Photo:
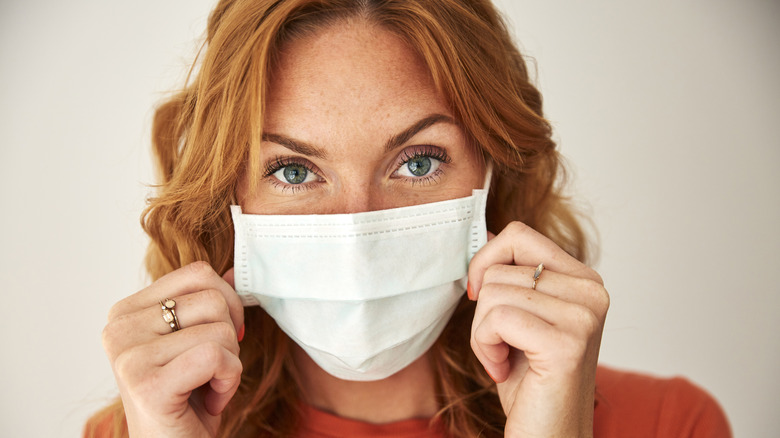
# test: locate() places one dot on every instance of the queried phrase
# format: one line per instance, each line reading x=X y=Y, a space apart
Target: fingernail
x=241 y=332
x=468 y=291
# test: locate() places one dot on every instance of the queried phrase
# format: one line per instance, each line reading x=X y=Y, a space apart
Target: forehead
x=350 y=69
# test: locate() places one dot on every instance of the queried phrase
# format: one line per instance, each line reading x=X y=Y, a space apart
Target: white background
x=668 y=111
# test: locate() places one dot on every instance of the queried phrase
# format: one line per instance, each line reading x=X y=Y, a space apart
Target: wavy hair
x=205 y=136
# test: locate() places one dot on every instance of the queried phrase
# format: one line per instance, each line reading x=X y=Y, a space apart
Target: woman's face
x=354 y=123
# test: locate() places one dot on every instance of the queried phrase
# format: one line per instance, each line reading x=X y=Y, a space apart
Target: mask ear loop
x=488 y=175
x=478 y=237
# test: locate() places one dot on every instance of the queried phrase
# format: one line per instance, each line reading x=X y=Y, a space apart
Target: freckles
x=269 y=204
x=283 y=206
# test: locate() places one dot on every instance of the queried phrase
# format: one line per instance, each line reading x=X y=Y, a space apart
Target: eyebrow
x=393 y=142
x=424 y=123
x=298 y=146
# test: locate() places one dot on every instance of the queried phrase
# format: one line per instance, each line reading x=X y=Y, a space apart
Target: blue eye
x=419 y=166
x=292 y=173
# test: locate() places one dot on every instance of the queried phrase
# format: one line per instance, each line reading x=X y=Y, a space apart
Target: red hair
x=204 y=136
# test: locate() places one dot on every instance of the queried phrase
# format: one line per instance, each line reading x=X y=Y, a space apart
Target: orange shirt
x=319 y=424
x=627 y=405
x=637 y=405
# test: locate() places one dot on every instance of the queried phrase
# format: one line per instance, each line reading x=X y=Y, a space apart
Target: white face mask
x=364 y=294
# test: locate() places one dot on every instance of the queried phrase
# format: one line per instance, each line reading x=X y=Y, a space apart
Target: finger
x=520 y=245
x=202 y=364
x=219 y=394
x=550 y=309
x=494 y=358
x=582 y=291
x=490 y=355
x=168 y=347
x=192 y=310
x=191 y=278
x=202 y=307
x=513 y=327
x=163 y=349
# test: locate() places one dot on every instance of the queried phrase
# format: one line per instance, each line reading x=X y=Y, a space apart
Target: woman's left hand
x=540 y=345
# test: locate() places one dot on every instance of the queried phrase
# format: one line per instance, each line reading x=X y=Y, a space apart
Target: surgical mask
x=363 y=294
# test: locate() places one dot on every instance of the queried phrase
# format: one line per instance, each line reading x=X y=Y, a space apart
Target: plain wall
x=668 y=113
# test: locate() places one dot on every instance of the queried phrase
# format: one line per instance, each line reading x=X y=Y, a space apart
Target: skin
x=345 y=112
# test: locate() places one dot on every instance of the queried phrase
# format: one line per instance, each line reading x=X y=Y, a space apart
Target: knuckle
x=602 y=301
x=589 y=288
x=516 y=228
x=210 y=352
x=597 y=277
x=113 y=311
x=201 y=269
x=474 y=344
x=238 y=365
x=109 y=339
x=234 y=364
x=588 y=321
x=125 y=366
x=114 y=336
x=116 y=310
x=224 y=330
x=592 y=323
x=598 y=298
x=500 y=314
x=212 y=303
x=217 y=301
x=588 y=273
x=493 y=273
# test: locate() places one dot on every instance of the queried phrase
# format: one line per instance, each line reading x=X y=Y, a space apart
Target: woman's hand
x=540 y=346
x=176 y=384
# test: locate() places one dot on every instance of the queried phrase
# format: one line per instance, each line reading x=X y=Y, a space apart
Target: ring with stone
x=537 y=274
x=169 y=314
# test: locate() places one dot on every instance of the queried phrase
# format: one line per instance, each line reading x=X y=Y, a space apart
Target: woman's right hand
x=176 y=384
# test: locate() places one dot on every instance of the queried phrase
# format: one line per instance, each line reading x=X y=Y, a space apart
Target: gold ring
x=537 y=274
x=169 y=314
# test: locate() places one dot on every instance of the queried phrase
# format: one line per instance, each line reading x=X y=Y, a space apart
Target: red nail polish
x=469 y=293
x=241 y=333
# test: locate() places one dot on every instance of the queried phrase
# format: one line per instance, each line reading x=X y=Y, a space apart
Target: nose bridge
x=358 y=196
x=358 y=199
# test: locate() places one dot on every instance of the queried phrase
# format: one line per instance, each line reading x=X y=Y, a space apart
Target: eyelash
x=279 y=163
x=424 y=151
x=429 y=151
x=407 y=155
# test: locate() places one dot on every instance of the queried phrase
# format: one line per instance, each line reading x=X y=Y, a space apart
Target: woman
x=367 y=112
